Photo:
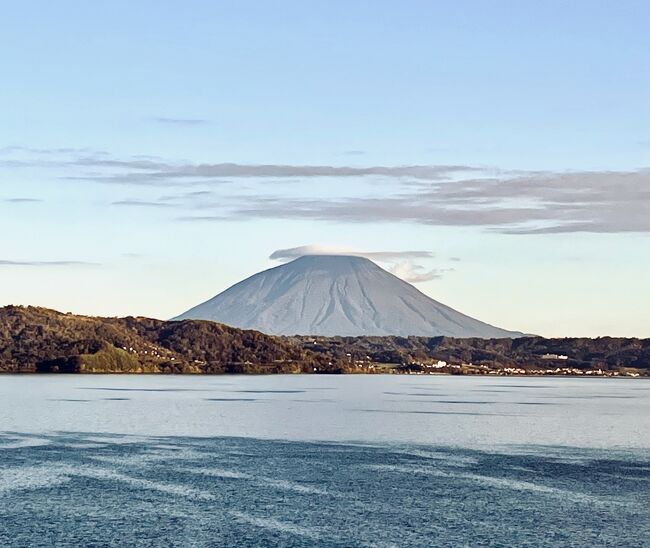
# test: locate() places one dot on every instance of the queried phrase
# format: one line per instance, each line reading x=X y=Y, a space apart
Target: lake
x=324 y=461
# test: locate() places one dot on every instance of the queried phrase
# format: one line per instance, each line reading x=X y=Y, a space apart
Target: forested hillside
x=41 y=340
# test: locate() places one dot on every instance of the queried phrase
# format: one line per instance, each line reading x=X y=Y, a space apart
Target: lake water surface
x=323 y=460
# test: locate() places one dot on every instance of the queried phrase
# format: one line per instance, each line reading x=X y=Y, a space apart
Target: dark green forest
x=34 y=340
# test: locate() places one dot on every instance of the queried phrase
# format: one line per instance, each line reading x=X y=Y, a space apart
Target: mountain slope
x=336 y=295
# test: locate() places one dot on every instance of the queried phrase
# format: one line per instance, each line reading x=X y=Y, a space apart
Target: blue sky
x=508 y=141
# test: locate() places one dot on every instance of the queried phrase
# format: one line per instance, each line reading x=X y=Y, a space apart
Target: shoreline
x=318 y=374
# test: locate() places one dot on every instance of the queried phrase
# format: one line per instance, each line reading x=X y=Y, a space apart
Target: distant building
x=555 y=357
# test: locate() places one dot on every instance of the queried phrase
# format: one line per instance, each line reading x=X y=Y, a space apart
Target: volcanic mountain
x=332 y=295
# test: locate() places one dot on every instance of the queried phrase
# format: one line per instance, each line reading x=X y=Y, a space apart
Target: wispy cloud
x=180 y=121
x=416 y=273
x=102 y=167
x=147 y=171
x=46 y=263
x=22 y=200
x=141 y=203
x=400 y=263
x=19 y=149
x=204 y=218
x=292 y=253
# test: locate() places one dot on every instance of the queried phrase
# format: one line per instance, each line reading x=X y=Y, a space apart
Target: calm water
x=332 y=461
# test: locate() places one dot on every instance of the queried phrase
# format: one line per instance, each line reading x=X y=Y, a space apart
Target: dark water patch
x=116 y=399
x=232 y=399
x=411 y=412
x=418 y=394
x=252 y=492
x=271 y=391
x=115 y=389
x=524 y=386
x=625 y=477
x=588 y=397
x=323 y=400
x=640 y=467
x=531 y=403
x=472 y=402
x=450 y=402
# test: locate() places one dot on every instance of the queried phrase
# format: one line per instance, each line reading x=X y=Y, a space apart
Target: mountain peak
x=332 y=295
x=333 y=263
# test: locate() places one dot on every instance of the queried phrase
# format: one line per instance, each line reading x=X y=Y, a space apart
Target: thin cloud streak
x=296 y=252
x=141 y=203
x=181 y=121
x=152 y=171
x=46 y=263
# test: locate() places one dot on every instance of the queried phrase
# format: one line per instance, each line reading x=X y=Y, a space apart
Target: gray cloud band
x=598 y=202
x=550 y=203
x=452 y=195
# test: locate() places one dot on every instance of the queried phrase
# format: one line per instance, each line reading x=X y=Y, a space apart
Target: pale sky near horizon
x=497 y=153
